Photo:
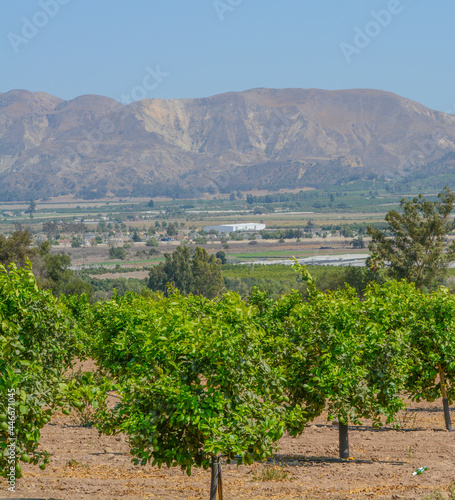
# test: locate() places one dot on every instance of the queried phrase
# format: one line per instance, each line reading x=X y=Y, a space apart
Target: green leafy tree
x=206 y=269
x=200 y=240
x=222 y=256
x=200 y=274
x=192 y=379
x=342 y=354
x=152 y=242
x=38 y=341
x=76 y=242
x=176 y=270
x=17 y=249
x=433 y=337
x=172 y=229
x=31 y=209
x=416 y=249
x=358 y=242
x=117 y=253
x=52 y=271
x=51 y=229
x=56 y=274
x=360 y=277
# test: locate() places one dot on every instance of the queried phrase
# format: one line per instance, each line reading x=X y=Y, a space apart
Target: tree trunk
x=216 y=486
x=445 y=401
x=344 y=440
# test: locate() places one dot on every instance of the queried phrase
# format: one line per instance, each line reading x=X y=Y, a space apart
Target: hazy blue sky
x=129 y=49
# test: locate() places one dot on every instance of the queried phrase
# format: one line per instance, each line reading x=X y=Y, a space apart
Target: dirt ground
x=87 y=466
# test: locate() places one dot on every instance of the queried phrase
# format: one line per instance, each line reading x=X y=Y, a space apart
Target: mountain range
x=93 y=146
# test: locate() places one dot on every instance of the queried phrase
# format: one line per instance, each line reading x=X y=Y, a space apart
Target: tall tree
x=206 y=269
x=416 y=249
x=52 y=271
x=200 y=275
x=31 y=209
x=17 y=248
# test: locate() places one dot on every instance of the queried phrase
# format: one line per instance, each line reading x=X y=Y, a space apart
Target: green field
x=283 y=254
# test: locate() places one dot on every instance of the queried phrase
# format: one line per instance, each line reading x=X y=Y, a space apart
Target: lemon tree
x=347 y=355
x=193 y=381
x=37 y=344
x=432 y=373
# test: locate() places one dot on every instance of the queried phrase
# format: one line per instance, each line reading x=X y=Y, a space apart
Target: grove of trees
x=203 y=375
x=200 y=379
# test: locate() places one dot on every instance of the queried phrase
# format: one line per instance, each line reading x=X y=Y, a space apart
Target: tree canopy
x=38 y=343
x=52 y=271
x=199 y=274
x=192 y=377
x=416 y=249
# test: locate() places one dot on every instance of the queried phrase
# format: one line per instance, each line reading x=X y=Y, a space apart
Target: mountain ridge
x=259 y=138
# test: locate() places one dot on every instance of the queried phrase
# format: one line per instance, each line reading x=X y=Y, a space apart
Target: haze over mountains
x=261 y=138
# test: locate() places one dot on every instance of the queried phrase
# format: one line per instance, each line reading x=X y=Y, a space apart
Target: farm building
x=230 y=228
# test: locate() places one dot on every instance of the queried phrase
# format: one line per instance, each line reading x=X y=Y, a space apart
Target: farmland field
x=86 y=466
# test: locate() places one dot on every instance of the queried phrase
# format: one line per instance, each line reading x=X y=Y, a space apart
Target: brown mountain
x=260 y=138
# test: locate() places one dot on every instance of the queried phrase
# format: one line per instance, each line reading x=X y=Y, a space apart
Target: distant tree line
x=282 y=197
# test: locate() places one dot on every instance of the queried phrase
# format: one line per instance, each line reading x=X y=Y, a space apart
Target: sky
x=134 y=49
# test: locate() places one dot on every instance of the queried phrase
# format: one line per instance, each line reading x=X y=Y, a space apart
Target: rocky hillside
x=260 y=138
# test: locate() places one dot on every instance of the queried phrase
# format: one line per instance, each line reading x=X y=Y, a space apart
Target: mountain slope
x=260 y=138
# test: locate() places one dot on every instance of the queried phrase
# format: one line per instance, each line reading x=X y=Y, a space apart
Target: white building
x=230 y=228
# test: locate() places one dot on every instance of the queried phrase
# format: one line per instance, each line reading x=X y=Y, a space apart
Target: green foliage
x=37 y=345
x=432 y=341
x=88 y=391
x=340 y=353
x=76 y=242
x=17 y=249
x=200 y=240
x=152 y=242
x=358 y=242
x=221 y=256
x=172 y=229
x=417 y=250
x=200 y=274
x=278 y=234
x=31 y=209
x=52 y=271
x=104 y=288
x=279 y=279
x=192 y=379
x=117 y=253
x=57 y=276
